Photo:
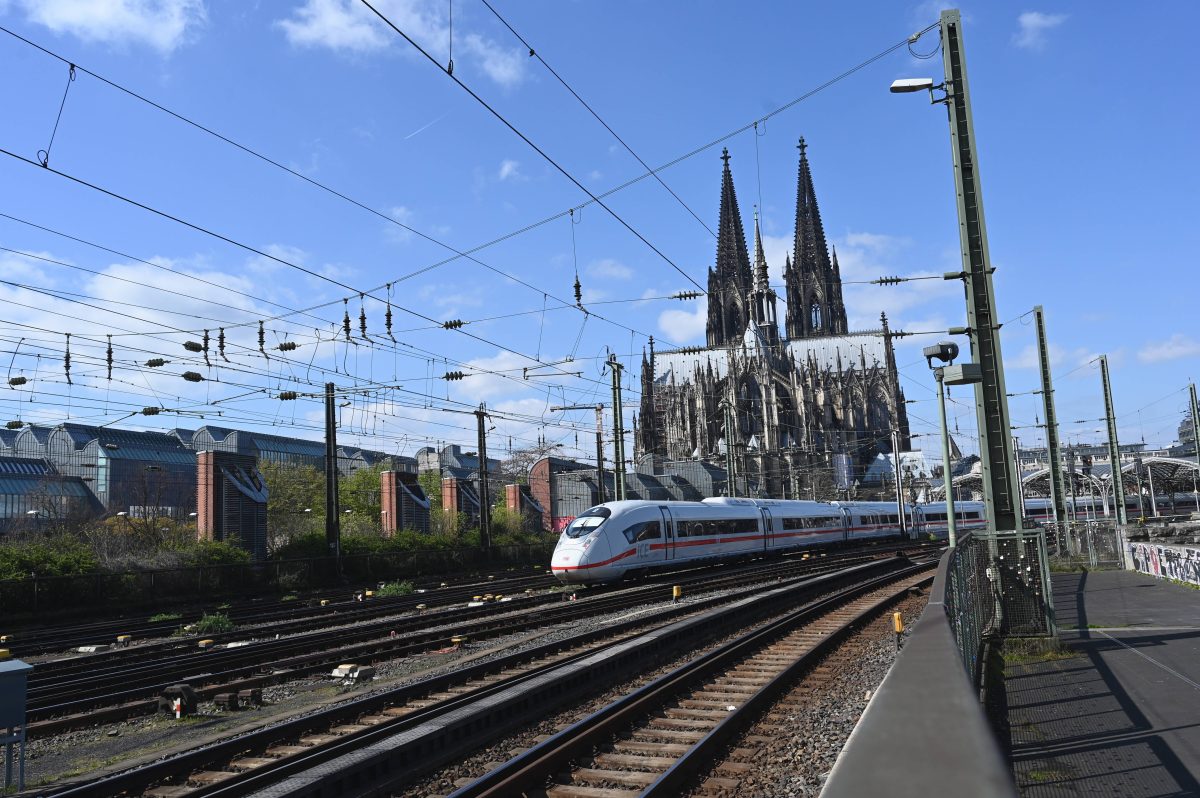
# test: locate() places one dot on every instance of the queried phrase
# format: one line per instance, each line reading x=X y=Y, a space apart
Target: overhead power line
x=536 y=148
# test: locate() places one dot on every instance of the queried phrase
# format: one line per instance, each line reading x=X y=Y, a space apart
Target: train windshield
x=587 y=522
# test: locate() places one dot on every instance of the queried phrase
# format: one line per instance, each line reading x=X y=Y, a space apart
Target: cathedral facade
x=798 y=412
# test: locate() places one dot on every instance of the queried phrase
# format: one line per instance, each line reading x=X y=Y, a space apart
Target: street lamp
x=949 y=374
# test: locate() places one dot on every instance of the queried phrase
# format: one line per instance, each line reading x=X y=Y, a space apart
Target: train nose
x=576 y=560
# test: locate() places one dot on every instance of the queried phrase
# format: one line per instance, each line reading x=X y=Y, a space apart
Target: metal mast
x=1114 y=447
x=1057 y=492
x=991 y=403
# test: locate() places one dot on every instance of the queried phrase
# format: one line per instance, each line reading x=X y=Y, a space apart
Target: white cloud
x=609 y=269
x=1032 y=28
x=349 y=26
x=510 y=170
x=684 y=326
x=162 y=24
x=1175 y=347
x=403 y=215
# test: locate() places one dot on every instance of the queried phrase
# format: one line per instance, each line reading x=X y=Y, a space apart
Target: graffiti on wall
x=1172 y=562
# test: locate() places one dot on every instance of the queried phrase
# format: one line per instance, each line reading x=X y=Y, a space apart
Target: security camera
x=944 y=351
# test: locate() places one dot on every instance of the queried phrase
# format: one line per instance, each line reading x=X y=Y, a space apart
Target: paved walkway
x=1119 y=716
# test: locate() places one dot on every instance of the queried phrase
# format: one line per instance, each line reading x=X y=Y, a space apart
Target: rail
x=924 y=731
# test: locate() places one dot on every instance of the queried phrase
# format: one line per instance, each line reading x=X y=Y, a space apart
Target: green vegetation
x=59 y=556
x=289 y=597
x=213 y=623
x=391 y=589
x=162 y=617
x=1029 y=650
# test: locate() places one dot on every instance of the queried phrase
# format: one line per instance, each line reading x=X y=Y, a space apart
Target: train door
x=767 y=521
x=668 y=533
x=847 y=519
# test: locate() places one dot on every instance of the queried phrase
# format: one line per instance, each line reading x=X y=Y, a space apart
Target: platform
x=1119 y=713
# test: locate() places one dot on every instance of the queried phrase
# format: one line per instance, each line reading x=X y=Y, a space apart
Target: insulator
x=388 y=316
x=288 y=396
x=15 y=424
x=155 y=362
x=17 y=381
x=346 y=318
x=67 y=361
x=262 y=339
x=150 y=411
x=362 y=319
x=453 y=324
x=108 y=354
x=682 y=295
x=192 y=376
x=221 y=344
x=206 y=349
x=287 y=346
x=453 y=375
x=193 y=346
x=578 y=291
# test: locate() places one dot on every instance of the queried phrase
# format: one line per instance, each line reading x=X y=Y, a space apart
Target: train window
x=646 y=530
x=746 y=526
x=696 y=529
x=587 y=522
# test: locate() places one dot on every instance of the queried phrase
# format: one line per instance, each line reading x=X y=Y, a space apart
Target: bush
x=164 y=616
x=392 y=589
x=211 y=552
x=59 y=557
x=212 y=623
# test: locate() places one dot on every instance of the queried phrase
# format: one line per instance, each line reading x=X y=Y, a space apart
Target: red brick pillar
x=512 y=497
x=206 y=487
x=389 y=510
x=450 y=496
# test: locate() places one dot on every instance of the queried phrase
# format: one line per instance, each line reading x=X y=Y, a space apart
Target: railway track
x=656 y=740
x=337 y=607
x=83 y=691
x=435 y=718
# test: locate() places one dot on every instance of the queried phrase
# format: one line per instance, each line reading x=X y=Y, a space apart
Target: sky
x=286 y=162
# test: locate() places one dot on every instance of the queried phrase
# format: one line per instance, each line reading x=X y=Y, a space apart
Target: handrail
x=924 y=731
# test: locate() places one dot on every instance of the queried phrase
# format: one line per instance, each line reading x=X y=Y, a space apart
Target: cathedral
x=795 y=414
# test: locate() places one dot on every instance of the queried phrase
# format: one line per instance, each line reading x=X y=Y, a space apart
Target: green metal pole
x=1054 y=457
x=947 y=477
x=1195 y=423
x=1114 y=447
x=991 y=402
x=618 y=430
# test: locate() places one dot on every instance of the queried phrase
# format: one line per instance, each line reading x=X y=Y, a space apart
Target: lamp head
x=909 y=85
x=944 y=351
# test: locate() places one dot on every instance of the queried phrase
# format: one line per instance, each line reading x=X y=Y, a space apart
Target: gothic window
x=816 y=316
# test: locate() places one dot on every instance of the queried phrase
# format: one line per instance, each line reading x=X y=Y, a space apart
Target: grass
x=1042 y=776
x=392 y=589
x=289 y=597
x=165 y=616
x=1028 y=650
x=1181 y=583
x=214 y=622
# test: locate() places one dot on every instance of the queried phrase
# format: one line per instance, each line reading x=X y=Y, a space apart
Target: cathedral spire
x=730 y=282
x=814 y=286
x=761 y=279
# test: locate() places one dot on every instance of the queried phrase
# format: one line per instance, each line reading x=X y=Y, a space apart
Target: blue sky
x=1085 y=117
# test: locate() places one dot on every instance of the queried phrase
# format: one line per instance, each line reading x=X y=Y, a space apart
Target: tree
x=359 y=493
x=293 y=489
x=516 y=467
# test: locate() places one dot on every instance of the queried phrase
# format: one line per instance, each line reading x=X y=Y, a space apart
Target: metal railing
x=1089 y=544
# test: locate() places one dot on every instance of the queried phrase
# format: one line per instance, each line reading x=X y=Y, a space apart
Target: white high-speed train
x=611 y=541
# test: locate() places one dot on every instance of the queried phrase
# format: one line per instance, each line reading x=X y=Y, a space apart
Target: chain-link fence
x=998 y=584
x=1088 y=544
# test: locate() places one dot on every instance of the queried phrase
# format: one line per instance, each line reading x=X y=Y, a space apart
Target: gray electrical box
x=962 y=374
x=14 y=679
